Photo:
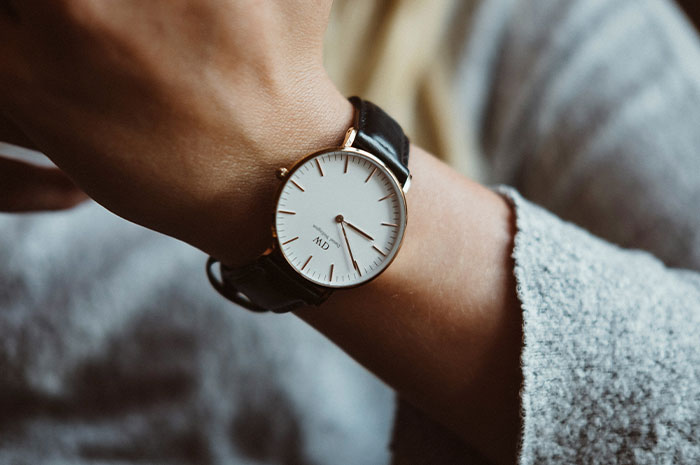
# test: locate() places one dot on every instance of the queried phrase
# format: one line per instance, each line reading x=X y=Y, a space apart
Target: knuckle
x=78 y=12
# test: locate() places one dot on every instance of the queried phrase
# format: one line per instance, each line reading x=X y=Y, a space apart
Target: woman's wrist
x=442 y=324
x=174 y=121
x=301 y=122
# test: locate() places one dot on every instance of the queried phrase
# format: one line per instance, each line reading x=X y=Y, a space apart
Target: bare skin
x=28 y=188
x=442 y=325
x=181 y=128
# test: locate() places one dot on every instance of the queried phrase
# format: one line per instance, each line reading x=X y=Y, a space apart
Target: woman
x=169 y=104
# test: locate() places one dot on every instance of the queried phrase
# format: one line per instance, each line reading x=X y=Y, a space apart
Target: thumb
x=26 y=188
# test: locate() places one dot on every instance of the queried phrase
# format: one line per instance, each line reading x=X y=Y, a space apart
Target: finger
x=28 y=188
x=52 y=12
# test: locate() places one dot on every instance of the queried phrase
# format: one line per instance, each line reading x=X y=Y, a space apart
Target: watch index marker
x=286 y=212
x=307 y=262
x=331 y=276
x=297 y=184
x=370 y=175
x=320 y=170
x=347 y=160
x=290 y=240
x=378 y=250
x=387 y=196
x=390 y=224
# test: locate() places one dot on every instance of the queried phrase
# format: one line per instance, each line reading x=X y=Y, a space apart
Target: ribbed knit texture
x=591 y=108
x=113 y=348
x=611 y=356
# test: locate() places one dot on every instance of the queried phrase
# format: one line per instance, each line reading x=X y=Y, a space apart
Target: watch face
x=340 y=218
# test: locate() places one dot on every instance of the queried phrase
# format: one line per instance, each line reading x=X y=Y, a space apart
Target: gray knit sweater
x=591 y=108
x=114 y=350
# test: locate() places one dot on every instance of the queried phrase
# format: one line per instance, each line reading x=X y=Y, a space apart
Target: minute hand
x=347 y=242
x=367 y=236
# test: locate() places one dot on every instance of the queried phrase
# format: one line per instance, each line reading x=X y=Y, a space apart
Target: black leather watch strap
x=269 y=283
x=380 y=135
x=266 y=285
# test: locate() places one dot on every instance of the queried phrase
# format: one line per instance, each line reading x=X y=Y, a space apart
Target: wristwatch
x=339 y=220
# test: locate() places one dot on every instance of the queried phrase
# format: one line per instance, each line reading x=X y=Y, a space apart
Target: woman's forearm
x=180 y=128
x=442 y=325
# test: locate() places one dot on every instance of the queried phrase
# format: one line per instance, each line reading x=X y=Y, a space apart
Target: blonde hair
x=396 y=53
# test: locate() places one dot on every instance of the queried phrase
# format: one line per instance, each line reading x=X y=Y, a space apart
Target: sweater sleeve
x=593 y=114
x=590 y=108
x=611 y=359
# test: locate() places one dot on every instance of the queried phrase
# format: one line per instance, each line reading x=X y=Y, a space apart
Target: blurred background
x=402 y=54
x=114 y=348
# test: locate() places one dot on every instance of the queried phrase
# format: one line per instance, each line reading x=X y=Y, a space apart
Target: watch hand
x=339 y=219
x=367 y=236
x=345 y=235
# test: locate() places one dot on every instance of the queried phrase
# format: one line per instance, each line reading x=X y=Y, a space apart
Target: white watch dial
x=340 y=218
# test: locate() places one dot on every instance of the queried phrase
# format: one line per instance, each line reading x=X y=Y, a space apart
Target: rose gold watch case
x=284 y=174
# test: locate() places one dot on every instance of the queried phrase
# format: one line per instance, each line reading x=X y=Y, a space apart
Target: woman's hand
x=28 y=188
x=174 y=113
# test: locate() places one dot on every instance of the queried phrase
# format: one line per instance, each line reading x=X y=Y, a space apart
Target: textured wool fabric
x=591 y=108
x=114 y=349
x=611 y=357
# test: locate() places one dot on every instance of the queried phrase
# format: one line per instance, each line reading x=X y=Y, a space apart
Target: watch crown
x=282 y=173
